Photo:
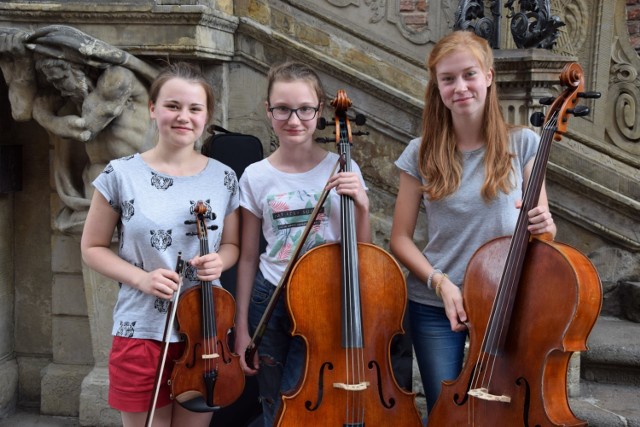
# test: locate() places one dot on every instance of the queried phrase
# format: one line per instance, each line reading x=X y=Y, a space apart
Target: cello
x=208 y=375
x=531 y=303
x=348 y=379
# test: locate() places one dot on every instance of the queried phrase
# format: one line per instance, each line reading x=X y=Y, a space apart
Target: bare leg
x=183 y=417
x=161 y=418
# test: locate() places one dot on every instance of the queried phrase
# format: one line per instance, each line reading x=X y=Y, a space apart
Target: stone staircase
x=610 y=369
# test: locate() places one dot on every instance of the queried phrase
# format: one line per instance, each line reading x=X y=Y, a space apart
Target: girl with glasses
x=277 y=195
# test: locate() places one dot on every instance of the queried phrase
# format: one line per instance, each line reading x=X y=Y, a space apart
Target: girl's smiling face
x=293 y=94
x=180 y=112
x=463 y=83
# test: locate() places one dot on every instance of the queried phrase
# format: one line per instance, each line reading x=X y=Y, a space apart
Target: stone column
x=72 y=358
x=8 y=364
x=100 y=294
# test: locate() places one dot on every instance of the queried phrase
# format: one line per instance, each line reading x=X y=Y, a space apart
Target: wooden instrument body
x=557 y=303
x=187 y=382
x=313 y=296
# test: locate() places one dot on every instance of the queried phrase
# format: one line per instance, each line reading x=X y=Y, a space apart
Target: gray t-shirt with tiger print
x=153 y=208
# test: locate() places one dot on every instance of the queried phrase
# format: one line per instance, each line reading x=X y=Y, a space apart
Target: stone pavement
x=32 y=419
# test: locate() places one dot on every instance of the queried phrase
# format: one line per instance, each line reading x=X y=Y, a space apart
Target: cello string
x=492 y=337
x=511 y=277
x=529 y=202
x=347 y=326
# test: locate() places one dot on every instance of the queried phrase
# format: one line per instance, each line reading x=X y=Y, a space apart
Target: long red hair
x=440 y=162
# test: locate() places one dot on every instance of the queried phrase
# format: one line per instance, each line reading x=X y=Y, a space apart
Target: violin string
x=208 y=312
x=205 y=300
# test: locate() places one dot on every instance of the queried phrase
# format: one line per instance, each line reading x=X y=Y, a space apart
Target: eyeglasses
x=284 y=113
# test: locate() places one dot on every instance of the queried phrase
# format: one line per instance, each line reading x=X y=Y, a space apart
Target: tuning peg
x=213 y=227
x=590 y=95
x=359 y=133
x=547 y=100
x=323 y=140
x=190 y=221
x=360 y=119
x=537 y=119
x=192 y=233
x=579 y=111
x=322 y=123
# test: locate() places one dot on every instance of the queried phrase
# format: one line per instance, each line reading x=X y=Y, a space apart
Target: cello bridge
x=210 y=356
x=483 y=393
x=352 y=387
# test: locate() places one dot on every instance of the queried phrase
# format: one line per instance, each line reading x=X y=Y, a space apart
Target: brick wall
x=414 y=13
x=633 y=23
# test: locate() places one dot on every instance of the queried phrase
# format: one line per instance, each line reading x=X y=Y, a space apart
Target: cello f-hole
x=308 y=404
x=374 y=365
x=522 y=381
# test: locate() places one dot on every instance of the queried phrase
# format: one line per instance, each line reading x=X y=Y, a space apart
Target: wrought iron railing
x=532 y=25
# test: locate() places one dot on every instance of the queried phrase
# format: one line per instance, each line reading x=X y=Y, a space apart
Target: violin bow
x=252 y=347
x=166 y=338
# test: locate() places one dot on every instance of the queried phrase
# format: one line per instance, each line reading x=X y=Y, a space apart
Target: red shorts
x=133 y=364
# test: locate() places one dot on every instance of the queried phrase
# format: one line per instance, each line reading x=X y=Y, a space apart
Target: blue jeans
x=439 y=350
x=281 y=355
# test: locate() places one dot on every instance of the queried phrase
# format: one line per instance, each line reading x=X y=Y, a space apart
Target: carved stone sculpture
x=81 y=91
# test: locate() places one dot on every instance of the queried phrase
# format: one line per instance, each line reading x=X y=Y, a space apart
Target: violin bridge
x=352 y=387
x=210 y=356
x=483 y=393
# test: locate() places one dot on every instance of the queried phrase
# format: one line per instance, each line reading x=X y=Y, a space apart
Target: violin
x=208 y=376
x=348 y=379
x=531 y=302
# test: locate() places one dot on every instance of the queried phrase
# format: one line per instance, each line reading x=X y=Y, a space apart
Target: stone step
x=607 y=405
x=614 y=353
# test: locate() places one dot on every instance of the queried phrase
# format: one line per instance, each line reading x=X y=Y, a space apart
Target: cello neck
x=350 y=297
x=506 y=293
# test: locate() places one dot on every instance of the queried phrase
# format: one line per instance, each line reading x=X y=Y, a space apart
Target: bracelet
x=444 y=276
x=429 y=280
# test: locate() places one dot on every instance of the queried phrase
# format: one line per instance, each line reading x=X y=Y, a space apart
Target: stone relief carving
x=624 y=95
x=437 y=15
x=344 y=3
x=623 y=109
x=378 y=8
x=573 y=36
x=84 y=93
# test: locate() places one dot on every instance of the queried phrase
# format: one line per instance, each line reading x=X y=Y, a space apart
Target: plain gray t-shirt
x=461 y=222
